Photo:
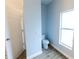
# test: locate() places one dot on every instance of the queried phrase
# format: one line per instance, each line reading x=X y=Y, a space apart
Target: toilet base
x=45 y=44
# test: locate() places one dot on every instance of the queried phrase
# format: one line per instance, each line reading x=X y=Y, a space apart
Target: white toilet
x=45 y=42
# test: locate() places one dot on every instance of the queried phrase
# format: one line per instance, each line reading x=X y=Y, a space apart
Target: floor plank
x=50 y=53
x=23 y=55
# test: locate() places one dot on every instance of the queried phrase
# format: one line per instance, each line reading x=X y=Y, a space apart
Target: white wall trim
x=61 y=51
x=34 y=55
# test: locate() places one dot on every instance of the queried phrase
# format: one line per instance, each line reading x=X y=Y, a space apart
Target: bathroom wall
x=33 y=27
x=14 y=14
x=76 y=33
x=54 y=10
x=44 y=18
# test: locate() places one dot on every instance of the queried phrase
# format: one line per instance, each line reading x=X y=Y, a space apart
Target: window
x=66 y=29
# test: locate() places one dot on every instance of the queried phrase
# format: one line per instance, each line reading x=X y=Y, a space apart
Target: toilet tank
x=43 y=36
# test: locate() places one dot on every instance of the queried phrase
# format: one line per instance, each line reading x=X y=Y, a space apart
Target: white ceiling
x=46 y=1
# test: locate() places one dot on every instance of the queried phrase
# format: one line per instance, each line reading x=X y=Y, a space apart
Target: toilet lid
x=45 y=41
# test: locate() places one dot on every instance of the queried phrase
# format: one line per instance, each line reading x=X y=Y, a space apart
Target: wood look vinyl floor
x=50 y=53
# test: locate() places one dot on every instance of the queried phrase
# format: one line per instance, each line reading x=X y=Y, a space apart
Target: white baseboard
x=34 y=55
x=61 y=51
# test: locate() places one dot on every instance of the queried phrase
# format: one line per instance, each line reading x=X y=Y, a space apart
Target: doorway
x=14 y=15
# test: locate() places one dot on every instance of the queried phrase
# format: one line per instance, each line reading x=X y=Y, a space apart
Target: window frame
x=60 y=31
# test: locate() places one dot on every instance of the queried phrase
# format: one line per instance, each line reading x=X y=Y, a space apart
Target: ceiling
x=46 y=1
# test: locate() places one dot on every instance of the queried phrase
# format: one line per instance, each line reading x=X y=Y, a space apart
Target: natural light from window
x=67 y=29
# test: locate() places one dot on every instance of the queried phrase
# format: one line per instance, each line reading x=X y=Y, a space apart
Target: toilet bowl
x=45 y=42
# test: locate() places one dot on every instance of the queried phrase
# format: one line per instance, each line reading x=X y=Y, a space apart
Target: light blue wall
x=44 y=18
x=32 y=26
x=53 y=22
